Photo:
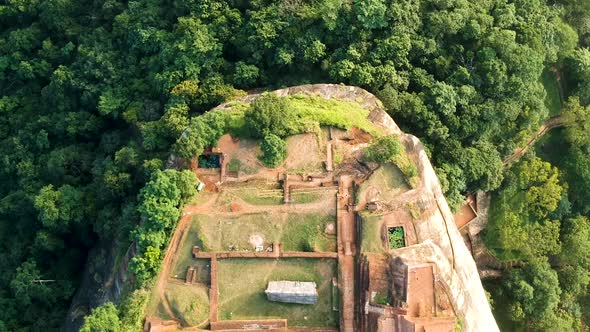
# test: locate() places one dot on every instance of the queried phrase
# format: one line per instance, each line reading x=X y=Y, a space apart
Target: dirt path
x=551 y=123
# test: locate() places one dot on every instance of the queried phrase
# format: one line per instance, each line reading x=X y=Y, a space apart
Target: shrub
x=270 y=114
x=396 y=238
x=274 y=150
x=384 y=149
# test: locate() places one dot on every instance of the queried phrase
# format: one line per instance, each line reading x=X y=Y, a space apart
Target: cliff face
x=438 y=239
x=440 y=243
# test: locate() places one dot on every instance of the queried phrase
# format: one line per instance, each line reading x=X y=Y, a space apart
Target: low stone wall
x=250 y=325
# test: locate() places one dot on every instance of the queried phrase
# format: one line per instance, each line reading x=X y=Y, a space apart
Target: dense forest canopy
x=96 y=93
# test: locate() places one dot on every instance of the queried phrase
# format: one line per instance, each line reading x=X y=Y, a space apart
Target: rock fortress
x=331 y=239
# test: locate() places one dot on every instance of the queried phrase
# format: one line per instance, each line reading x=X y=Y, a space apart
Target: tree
x=274 y=150
x=270 y=114
x=578 y=70
x=102 y=319
x=482 y=166
x=577 y=121
x=384 y=149
x=246 y=75
x=540 y=182
x=534 y=291
x=577 y=169
x=519 y=224
x=371 y=13
x=193 y=141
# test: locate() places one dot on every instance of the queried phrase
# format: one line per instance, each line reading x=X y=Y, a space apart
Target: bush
x=270 y=114
x=102 y=319
x=396 y=238
x=384 y=149
x=274 y=150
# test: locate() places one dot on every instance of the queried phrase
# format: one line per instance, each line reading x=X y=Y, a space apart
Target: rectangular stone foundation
x=292 y=292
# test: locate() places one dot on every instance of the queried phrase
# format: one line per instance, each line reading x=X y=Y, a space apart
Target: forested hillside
x=96 y=93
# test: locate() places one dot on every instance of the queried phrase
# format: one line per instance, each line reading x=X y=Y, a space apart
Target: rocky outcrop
x=439 y=240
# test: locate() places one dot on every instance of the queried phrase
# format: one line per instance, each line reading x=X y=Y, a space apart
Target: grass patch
x=304 y=197
x=256 y=196
x=185 y=256
x=371 y=233
x=234 y=165
x=337 y=155
x=242 y=283
x=388 y=179
x=333 y=112
x=311 y=112
x=552 y=100
x=307 y=234
x=381 y=298
x=201 y=198
x=295 y=231
x=189 y=303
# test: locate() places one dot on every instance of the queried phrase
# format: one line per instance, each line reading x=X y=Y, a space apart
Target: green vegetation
x=381 y=298
x=97 y=94
x=371 y=233
x=270 y=114
x=308 y=234
x=553 y=99
x=267 y=197
x=296 y=232
x=384 y=149
x=304 y=197
x=160 y=203
x=389 y=149
x=522 y=222
x=388 y=179
x=316 y=111
x=396 y=238
x=189 y=303
x=539 y=216
x=242 y=283
x=234 y=165
x=274 y=150
x=102 y=319
x=255 y=193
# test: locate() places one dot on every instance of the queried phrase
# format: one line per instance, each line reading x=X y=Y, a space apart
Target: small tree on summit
x=269 y=114
x=274 y=150
x=384 y=149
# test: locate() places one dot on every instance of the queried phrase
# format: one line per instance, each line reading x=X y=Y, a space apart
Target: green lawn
x=189 y=303
x=185 y=257
x=371 y=233
x=255 y=193
x=304 y=197
x=242 y=283
x=258 y=196
x=552 y=100
x=296 y=232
